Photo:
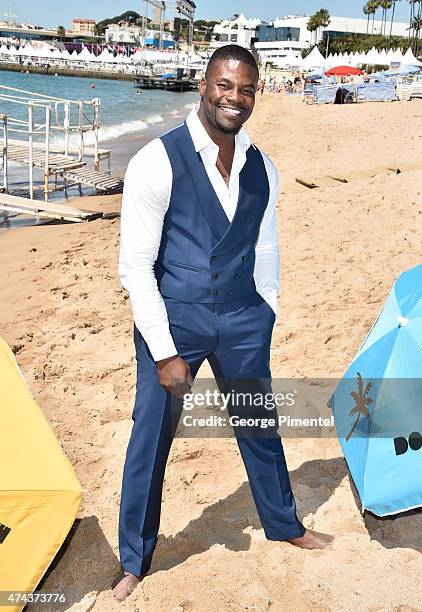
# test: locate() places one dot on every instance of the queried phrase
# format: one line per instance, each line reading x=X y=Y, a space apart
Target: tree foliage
x=130 y=16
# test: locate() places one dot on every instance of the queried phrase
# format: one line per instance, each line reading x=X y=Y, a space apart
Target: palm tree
x=373 y=7
x=411 y=19
x=313 y=25
x=61 y=32
x=362 y=401
x=385 y=5
x=392 y=16
x=367 y=11
x=324 y=21
x=415 y=25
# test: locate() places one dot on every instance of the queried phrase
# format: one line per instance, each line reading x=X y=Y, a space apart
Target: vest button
x=236 y=276
x=215 y=275
x=215 y=292
x=213 y=258
x=244 y=257
x=229 y=292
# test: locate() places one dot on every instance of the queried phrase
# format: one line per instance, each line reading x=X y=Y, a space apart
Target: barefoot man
x=199 y=258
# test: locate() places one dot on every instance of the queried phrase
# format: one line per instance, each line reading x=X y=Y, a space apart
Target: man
x=199 y=257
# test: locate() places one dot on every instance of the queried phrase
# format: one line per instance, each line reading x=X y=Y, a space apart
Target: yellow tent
x=39 y=491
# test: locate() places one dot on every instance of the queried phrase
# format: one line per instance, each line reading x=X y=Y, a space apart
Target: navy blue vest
x=202 y=256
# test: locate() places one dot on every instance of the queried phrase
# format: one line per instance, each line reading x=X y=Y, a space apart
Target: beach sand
x=342 y=245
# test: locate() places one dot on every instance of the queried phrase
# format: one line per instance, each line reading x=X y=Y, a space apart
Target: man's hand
x=174 y=374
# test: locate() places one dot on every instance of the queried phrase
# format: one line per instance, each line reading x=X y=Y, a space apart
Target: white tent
x=314 y=60
x=290 y=60
x=86 y=55
x=372 y=57
x=410 y=60
x=383 y=57
x=105 y=56
x=331 y=61
x=56 y=53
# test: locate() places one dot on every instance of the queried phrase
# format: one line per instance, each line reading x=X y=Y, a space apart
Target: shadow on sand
x=87 y=563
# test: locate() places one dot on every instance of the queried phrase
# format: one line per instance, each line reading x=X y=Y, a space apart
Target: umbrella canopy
x=39 y=491
x=343 y=71
x=377 y=405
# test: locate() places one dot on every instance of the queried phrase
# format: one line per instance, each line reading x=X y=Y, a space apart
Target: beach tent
x=410 y=60
x=39 y=492
x=377 y=405
x=291 y=60
x=86 y=55
x=372 y=57
x=314 y=60
x=104 y=56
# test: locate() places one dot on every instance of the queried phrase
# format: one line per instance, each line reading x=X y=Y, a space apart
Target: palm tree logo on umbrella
x=362 y=402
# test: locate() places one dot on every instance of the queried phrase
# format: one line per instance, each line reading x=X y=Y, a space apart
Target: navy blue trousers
x=235 y=338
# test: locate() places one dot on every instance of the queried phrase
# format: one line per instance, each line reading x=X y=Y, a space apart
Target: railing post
x=30 y=148
x=66 y=125
x=47 y=151
x=5 y=150
x=96 y=103
x=81 y=131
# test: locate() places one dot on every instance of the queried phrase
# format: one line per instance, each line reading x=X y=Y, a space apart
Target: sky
x=56 y=12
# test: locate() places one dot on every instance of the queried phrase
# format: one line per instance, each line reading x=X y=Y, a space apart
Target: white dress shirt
x=146 y=197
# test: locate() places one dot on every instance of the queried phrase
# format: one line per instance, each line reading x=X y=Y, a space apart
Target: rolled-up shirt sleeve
x=146 y=197
x=267 y=253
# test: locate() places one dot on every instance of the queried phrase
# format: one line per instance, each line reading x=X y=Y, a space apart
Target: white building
x=239 y=31
x=123 y=34
x=291 y=35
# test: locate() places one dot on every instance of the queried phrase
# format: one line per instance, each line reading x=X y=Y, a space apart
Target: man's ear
x=202 y=86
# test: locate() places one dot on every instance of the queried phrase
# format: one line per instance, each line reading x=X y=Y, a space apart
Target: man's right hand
x=174 y=374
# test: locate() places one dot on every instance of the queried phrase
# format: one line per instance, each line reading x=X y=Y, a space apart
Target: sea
x=128 y=119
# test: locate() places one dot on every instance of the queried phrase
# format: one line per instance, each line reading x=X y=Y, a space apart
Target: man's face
x=228 y=94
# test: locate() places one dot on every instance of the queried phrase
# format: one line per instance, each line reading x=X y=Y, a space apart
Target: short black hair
x=232 y=52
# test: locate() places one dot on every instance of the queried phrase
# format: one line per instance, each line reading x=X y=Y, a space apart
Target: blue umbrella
x=377 y=405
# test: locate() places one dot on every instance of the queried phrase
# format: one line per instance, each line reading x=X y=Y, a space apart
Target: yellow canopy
x=39 y=491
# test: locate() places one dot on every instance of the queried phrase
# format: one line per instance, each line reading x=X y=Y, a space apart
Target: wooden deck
x=10 y=203
x=88 y=151
x=73 y=171
x=92 y=178
x=57 y=161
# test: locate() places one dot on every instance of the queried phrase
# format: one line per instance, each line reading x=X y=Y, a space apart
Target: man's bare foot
x=125 y=584
x=312 y=540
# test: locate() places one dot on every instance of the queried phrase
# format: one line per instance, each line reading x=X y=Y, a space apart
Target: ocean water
x=128 y=121
x=123 y=110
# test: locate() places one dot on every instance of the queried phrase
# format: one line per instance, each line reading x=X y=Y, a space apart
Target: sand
x=342 y=246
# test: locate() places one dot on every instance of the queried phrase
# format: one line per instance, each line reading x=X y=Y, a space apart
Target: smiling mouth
x=230 y=111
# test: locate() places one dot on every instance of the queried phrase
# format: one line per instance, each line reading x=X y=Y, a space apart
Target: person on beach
x=200 y=260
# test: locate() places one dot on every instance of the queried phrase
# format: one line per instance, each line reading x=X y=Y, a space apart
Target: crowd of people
x=294 y=84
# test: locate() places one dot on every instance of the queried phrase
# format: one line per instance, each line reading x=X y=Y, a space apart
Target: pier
x=169 y=84
x=64 y=163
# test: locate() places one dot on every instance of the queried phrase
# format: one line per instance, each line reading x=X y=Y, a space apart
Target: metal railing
x=42 y=116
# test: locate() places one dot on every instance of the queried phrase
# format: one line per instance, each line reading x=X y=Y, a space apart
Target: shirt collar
x=201 y=138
